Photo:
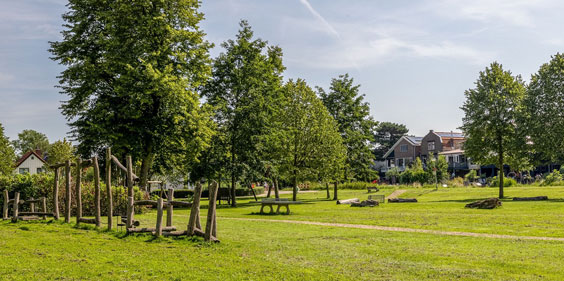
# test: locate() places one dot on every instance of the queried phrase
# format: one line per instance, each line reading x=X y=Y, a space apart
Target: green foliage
x=31 y=140
x=131 y=77
x=456 y=182
x=471 y=176
x=393 y=172
x=491 y=112
x=543 y=107
x=304 y=141
x=439 y=164
x=119 y=197
x=507 y=182
x=386 y=135
x=414 y=174
x=246 y=80
x=552 y=179
x=7 y=154
x=60 y=151
x=355 y=125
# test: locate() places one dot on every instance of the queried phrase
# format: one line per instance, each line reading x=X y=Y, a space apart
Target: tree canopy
x=31 y=140
x=356 y=126
x=491 y=110
x=385 y=136
x=245 y=84
x=132 y=70
x=305 y=141
x=7 y=154
x=60 y=151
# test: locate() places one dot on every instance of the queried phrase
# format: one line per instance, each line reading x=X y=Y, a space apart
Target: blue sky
x=414 y=59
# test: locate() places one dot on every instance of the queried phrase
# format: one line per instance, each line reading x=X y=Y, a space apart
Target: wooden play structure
x=194 y=227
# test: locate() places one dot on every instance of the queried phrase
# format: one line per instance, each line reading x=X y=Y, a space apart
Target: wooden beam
x=44 y=203
x=195 y=209
x=78 y=190
x=68 y=191
x=129 y=175
x=130 y=210
x=87 y=220
x=35 y=214
x=212 y=188
x=109 y=186
x=56 y=195
x=123 y=168
x=150 y=229
x=16 y=199
x=97 y=190
x=159 y=226
x=169 y=207
x=5 y=205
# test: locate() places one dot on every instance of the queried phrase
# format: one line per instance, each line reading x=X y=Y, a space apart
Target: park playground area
x=433 y=239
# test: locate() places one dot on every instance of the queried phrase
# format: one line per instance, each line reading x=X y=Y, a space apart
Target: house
x=403 y=152
x=31 y=162
x=450 y=145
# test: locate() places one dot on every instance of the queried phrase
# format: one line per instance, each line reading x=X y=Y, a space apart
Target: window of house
x=403 y=148
x=400 y=162
x=431 y=145
x=24 y=170
x=462 y=159
x=39 y=170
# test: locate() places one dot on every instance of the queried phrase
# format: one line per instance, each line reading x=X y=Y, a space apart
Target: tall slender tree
x=132 y=70
x=491 y=110
x=7 y=154
x=356 y=125
x=246 y=79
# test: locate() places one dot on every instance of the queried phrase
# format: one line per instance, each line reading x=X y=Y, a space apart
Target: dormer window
x=431 y=146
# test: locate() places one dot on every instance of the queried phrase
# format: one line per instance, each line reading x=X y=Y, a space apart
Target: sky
x=413 y=59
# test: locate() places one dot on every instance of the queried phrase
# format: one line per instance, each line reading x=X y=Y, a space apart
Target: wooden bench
x=370 y=188
x=278 y=202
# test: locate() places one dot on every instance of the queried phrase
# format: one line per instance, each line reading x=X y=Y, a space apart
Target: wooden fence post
x=159 y=228
x=109 y=186
x=130 y=210
x=129 y=175
x=44 y=201
x=56 y=195
x=68 y=191
x=211 y=211
x=6 y=204
x=97 y=189
x=78 y=190
x=16 y=206
x=169 y=207
x=192 y=223
x=32 y=205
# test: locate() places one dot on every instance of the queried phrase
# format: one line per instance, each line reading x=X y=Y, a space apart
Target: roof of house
x=415 y=141
x=450 y=135
x=37 y=154
x=454 y=151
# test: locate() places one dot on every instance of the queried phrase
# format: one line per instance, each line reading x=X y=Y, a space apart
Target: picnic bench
x=371 y=188
x=279 y=203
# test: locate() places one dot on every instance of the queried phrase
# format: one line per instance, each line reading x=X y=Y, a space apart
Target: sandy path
x=396 y=193
x=402 y=229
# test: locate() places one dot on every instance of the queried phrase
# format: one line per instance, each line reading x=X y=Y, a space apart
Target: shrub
x=456 y=182
x=471 y=176
x=553 y=178
x=507 y=182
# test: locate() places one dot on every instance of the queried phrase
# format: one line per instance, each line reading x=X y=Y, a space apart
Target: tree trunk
x=233 y=187
x=295 y=187
x=145 y=166
x=500 y=167
x=335 y=197
x=328 y=193
x=268 y=191
x=276 y=190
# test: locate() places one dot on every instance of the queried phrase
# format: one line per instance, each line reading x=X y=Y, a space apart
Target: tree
x=490 y=113
x=60 y=151
x=356 y=126
x=31 y=140
x=386 y=135
x=440 y=165
x=543 y=107
x=246 y=79
x=132 y=74
x=7 y=154
x=305 y=140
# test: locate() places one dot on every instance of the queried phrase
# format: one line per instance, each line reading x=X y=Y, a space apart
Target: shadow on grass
x=506 y=199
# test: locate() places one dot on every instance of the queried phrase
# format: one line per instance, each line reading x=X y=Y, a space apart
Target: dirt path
x=402 y=229
x=396 y=193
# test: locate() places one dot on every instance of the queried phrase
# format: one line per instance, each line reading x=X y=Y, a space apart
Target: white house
x=31 y=163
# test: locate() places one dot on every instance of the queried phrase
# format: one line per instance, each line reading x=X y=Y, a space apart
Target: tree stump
x=365 y=203
x=402 y=200
x=537 y=198
x=490 y=203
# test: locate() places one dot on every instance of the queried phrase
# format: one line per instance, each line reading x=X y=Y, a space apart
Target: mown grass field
x=264 y=250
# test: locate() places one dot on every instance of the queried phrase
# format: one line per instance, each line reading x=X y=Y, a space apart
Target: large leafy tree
x=246 y=79
x=7 y=154
x=491 y=110
x=543 y=107
x=60 y=151
x=31 y=140
x=356 y=125
x=132 y=70
x=385 y=136
x=305 y=140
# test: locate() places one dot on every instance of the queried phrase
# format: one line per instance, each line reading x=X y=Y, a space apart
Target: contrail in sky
x=327 y=25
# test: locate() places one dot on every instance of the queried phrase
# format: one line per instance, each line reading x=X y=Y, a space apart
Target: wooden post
x=78 y=190
x=68 y=191
x=130 y=210
x=97 y=189
x=44 y=201
x=56 y=195
x=32 y=205
x=169 y=207
x=211 y=212
x=129 y=175
x=195 y=211
x=6 y=204
x=16 y=206
x=109 y=186
x=159 y=228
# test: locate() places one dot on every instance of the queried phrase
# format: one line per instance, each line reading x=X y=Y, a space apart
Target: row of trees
x=510 y=122
x=139 y=79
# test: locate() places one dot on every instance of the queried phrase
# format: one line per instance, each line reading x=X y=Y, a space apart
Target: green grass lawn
x=258 y=250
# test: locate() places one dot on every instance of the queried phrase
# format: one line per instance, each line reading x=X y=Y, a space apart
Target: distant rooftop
x=413 y=139
x=450 y=134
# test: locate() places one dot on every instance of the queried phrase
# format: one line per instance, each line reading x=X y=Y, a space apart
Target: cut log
x=150 y=229
x=365 y=203
x=159 y=226
x=489 y=203
x=348 y=201
x=16 y=199
x=98 y=210
x=194 y=220
x=130 y=210
x=32 y=201
x=537 y=198
x=401 y=200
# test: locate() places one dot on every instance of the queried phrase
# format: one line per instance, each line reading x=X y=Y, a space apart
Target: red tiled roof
x=29 y=153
